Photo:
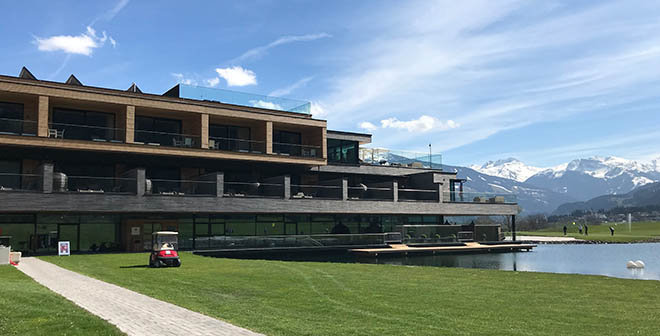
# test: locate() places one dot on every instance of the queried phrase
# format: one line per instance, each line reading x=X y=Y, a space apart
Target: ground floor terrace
x=38 y=233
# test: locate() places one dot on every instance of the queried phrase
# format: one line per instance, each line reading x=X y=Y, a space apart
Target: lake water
x=597 y=259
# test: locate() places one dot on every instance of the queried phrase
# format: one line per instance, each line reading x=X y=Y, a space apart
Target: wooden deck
x=401 y=249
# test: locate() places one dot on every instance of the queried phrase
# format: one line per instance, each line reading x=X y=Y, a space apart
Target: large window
x=342 y=151
x=10 y=177
x=165 y=132
x=287 y=143
x=232 y=138
x=84 y=125
x=11 y=118
x=86 y=177
x=164 y=180
x=17 y=230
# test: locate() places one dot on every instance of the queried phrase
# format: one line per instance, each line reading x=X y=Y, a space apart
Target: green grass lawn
x=307 y=298
x=641 y=231
x=31 y=309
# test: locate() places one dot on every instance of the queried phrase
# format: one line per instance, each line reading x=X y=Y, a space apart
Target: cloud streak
x=288 y=89
x=258 y=52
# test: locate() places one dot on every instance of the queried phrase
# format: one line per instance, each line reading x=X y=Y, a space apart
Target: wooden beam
x=129 y=123
x=269 y=137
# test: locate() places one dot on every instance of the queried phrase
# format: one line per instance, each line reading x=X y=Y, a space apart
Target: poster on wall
x=135 y=231
x=63 y=248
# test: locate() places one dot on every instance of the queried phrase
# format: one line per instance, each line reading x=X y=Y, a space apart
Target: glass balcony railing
x=397 y=158
x=237 y=145
x=10 y=126
x=244 y=99
x=478 y=197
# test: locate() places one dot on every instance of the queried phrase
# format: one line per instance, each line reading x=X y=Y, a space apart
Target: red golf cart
x=165 y=249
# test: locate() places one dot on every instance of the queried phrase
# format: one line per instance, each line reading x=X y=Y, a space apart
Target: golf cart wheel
x=177 y=263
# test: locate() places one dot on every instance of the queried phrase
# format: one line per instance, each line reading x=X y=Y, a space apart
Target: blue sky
x=542 y=81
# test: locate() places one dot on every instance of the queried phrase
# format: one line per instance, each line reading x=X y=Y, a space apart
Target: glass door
x=70 y=233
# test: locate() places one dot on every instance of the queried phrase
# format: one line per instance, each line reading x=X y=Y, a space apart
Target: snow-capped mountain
x=509 y=168
x=583 y=179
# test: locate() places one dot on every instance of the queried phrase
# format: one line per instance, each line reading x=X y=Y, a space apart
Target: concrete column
x=129 y=122
x=344 y=189
x=42 y=117
x=141 y=180
x=440 y=192
x=269 y=137
x=219 y=184
x=324 y=143
x=513 y=227
x=204 y=131
x=287 y=186
x=46 y=179
x=395 y=191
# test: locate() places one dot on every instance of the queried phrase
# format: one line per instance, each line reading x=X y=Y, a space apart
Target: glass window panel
x=11 y=116
x=10 y=174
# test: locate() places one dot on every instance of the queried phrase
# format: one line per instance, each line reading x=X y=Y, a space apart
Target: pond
x=597 y=259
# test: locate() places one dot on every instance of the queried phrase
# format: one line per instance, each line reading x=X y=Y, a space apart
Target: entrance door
x=69 y=232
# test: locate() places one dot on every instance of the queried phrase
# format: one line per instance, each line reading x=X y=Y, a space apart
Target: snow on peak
x=510 y=168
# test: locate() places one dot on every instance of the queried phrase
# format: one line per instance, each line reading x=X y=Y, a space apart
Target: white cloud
x=260 y=51
x=368 y=126
x=237 y=76
x=422 y=124
x=266 y=105
x=113 y=42
x=109 y=15
x=180 y=78
x=212 y=82
x=83 y=44
x=288 y=89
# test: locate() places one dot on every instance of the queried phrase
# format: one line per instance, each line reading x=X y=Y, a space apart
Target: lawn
x=31 y=309
x=641 y=231
x=308 y=298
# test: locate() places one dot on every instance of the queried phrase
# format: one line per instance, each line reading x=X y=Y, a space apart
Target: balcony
x=398 y=158
x=240 y=98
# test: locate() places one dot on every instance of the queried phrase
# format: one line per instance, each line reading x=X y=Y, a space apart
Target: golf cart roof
x=165 y=233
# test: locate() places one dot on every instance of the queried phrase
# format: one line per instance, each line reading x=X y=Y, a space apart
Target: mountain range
x=647 y=195
x=544 y=190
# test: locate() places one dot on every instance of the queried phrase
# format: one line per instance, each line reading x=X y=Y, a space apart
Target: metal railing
x=289 y=149
x=370 y=193
x=63 y=183
x=85 y=132
x=20 y=182
x=418 y=195
x=10 y=126
x=237 y=145
x=253 y=189
x=155 y=138
x=165 y=187
x=311 y=191
x=287 y=241
x=478 y=197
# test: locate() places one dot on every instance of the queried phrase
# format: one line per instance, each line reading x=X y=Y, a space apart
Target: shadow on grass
x=135 y=266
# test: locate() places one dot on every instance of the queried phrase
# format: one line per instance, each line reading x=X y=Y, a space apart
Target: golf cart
x=164 y=251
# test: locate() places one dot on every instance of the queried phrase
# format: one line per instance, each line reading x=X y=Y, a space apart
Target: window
x=342 y=151
x=232 y=138
x=87 y=177
x=11 y=118
x=157 y=130
x=84 y=125
x=164 y=180
x=10 y=177
x=285 y=142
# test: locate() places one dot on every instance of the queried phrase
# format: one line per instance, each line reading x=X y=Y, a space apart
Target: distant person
x=565 y=228
x=586 y=230
x=580 y=228
x=612 y=230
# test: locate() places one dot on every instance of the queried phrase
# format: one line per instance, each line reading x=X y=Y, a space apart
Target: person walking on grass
x=580 y=228
x=586 y=230
x=612 y=231
x=565 y=228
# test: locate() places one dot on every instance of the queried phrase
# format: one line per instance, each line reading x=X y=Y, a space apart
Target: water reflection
x=597 y=259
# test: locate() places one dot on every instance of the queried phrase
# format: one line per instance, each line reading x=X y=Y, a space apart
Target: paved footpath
x=131 y=312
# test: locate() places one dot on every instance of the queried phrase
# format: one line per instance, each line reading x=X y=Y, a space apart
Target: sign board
x=63 y=248
x=135 y=231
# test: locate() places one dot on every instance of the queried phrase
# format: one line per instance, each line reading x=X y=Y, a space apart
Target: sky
x=545 y=82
